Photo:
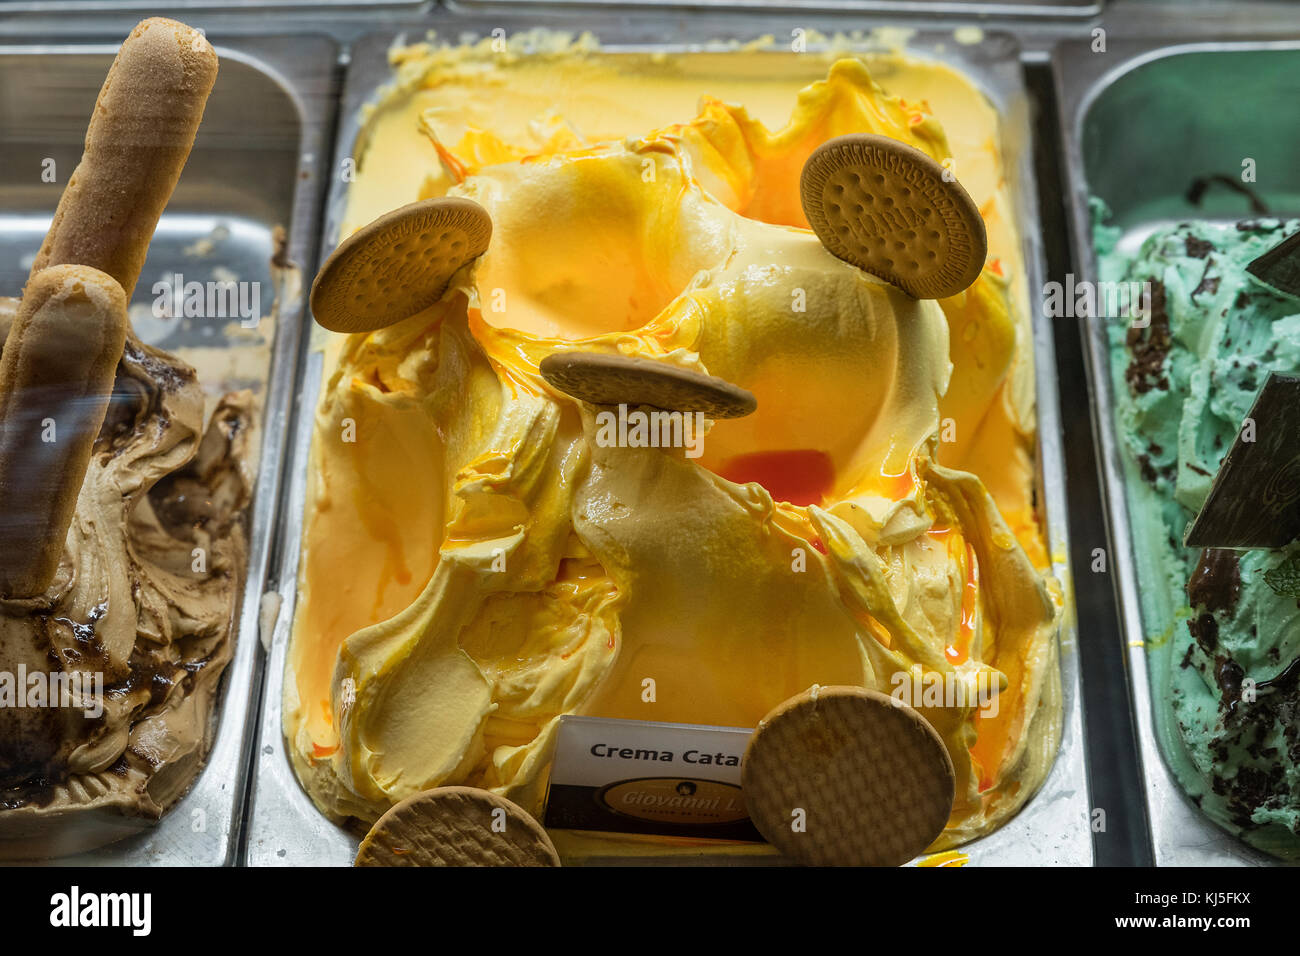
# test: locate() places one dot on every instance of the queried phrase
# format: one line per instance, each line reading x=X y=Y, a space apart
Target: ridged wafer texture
x=399 y=264
x=456 y=826
x=56 y=377
x=604 y=379
x=872 y=778
x=885 y=207
x=138 y=140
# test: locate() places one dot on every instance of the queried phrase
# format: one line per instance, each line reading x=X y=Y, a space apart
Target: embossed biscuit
x=399 y=264
x=884 y=207
x=456 y=826
x=844 y=776
x=606 y=379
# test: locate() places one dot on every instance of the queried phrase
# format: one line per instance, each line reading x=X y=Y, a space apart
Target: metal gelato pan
x=253 y=172
x=285 y=828
x=955 y=8
x=1141 y=123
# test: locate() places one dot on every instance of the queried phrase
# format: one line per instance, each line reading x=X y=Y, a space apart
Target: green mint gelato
x=1222 y=628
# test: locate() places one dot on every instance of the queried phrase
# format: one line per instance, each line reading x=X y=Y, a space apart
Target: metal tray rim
x=1067 y=777
x=1077 y=9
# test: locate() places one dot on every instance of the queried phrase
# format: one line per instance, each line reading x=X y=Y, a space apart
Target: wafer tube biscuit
x=56 y=377
x=139 y=137
x=8 y=309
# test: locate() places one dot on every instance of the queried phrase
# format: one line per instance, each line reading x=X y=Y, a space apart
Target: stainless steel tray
x=968 y=8
x=254 y=167
x=1131 y=138
x=176 y=8
x=284 y=826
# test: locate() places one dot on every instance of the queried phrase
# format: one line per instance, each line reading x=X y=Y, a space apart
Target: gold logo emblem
x=675 y=800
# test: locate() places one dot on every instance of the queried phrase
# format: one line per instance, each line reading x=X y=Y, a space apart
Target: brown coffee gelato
x=137 y=623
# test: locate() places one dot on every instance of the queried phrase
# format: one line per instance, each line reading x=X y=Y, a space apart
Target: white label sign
x=639 y=776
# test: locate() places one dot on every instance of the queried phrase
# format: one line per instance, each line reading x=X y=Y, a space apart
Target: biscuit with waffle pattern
x=871 y=776
x=456 y=826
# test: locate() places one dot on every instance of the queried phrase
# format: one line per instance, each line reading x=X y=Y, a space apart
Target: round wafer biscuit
x=399 y=264
x=456 y=826
x=872 y=778
x=885 y=207
x=605 y=379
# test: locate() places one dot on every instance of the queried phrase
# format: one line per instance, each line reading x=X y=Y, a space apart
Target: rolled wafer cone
x=139 y=137
x=56 y=378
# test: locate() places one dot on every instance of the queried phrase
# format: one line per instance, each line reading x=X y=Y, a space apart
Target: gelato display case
x=356 y=313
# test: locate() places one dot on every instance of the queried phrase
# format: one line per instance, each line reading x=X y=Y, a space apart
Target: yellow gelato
x=477 y=563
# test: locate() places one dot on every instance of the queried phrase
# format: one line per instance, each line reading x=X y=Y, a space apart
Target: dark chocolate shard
x=1254 y=501
x=1215 y=584
x=1279 y=268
